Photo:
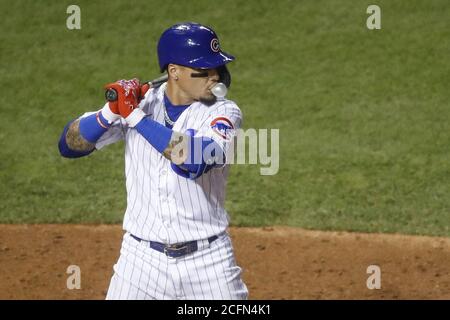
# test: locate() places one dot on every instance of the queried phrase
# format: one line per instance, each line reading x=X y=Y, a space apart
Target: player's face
x=198 y=83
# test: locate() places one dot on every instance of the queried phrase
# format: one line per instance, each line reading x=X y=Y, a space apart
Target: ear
x=172 y=71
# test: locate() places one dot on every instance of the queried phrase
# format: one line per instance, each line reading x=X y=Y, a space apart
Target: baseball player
x=177 y=135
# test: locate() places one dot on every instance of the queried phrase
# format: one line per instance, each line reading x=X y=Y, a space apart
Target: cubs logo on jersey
x=222 y=127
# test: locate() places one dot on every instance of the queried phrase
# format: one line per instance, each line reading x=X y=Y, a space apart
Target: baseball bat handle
x=158 y=81
x=111 y=94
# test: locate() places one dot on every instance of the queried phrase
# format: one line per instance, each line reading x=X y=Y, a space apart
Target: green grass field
x=363 y=115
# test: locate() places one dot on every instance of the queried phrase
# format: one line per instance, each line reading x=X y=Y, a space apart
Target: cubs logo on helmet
x=222 y=127
x=215 y=47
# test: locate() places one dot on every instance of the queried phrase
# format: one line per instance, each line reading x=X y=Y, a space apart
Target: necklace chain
x=166 y=117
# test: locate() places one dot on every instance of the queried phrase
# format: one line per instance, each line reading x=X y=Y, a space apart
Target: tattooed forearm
x=176 y=151
x=74 y=139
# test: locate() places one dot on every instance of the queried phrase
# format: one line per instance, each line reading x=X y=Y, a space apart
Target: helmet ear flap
x=224 y=75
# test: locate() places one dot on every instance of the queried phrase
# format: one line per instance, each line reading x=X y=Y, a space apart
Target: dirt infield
x=278 y=263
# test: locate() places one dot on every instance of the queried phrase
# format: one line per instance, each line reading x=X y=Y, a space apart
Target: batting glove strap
x=135 y=117
x=108 y=114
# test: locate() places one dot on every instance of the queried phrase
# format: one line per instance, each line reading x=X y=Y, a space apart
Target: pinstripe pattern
x=164 y=207
x=142 y=273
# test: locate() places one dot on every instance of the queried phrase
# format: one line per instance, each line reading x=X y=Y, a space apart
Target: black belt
x=175 y=250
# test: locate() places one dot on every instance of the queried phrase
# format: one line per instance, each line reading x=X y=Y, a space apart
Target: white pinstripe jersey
x=161 y=205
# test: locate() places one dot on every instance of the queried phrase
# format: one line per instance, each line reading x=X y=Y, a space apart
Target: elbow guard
x=198 y=164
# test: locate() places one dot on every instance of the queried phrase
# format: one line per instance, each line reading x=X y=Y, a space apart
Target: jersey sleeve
x=115 y=133
x=222 y=125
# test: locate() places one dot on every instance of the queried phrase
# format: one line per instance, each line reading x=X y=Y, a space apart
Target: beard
x=208 y=100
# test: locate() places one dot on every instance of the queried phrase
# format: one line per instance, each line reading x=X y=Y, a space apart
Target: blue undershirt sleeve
x=93 y=127
x=198 y=161
x=64 y=149
x=155 y=133
x=203 y=155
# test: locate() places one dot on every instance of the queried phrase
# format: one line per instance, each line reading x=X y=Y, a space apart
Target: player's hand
x=114 y=107
x=129 y=94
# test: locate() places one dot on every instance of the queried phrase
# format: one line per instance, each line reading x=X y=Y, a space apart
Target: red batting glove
x=114 y=107
x=130 y=93
x=144 y=89
x=110 y=111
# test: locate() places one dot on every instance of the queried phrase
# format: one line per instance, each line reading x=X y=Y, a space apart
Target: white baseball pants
x=143 y=273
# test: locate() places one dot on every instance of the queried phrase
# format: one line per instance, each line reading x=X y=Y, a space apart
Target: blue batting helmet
x=193 y=45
